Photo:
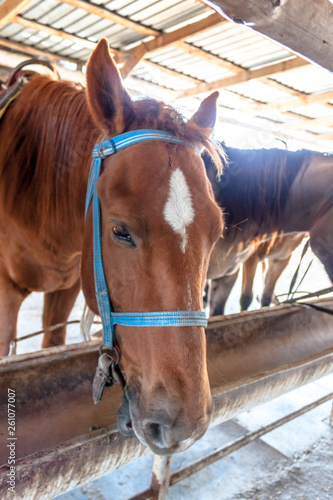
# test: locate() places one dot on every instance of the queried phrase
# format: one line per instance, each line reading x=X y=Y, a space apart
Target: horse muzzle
x=164 y=432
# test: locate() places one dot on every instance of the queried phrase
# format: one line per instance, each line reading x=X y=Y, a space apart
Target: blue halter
x=108 y=316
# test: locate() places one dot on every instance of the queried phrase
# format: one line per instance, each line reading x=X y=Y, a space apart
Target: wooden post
x=160 y=479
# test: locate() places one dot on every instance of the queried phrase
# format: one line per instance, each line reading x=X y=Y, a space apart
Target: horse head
x=159 y=223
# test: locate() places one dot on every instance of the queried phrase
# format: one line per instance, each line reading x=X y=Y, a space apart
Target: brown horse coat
x=159 y=224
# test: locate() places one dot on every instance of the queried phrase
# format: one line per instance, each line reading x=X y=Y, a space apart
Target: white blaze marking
x=178 y=210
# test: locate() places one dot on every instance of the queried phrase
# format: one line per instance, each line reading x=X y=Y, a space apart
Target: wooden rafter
x=176 y=38
x=208 y=56
x=192 y=29
x=28 y=49
x=169 y=93
x=328 y=137
x=296 y=102
x=172 y=72
x=160 y=41
x=308 y=122
x=104 y=13
x=245 y=76
x=260 y=124
x=27 y=23
x=280 y=86
x=135 y=56
x=10 y=12
x=11 y=60
x=9 y=9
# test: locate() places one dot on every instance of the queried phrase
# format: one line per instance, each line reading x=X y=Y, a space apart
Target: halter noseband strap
x=108 y=316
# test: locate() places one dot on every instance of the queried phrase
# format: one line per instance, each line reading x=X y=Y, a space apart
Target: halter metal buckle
x=107 y=150
x=104 y=375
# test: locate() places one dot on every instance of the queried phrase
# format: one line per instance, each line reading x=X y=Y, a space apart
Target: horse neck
x=255 y=189
x=49 y=136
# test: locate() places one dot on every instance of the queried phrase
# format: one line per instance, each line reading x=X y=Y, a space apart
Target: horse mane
x=255 y=185
x=47 y=133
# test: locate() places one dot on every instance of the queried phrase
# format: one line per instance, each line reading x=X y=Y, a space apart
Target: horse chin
x=124 y=420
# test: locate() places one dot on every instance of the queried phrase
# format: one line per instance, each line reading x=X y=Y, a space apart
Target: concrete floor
x=293 y=462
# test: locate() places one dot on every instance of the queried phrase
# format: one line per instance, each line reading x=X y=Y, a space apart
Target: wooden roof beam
x=9 y=9
x=290 y=104
x=166 y=39
x=308 y=122
x=260 y=124
x=245 y=76
x=172 y=72
x=11 y=60
x=326 y=137
x=176 y=38
x=136 y=55
x=104 y=13
x=28 y=49
x=280 y=86
x=132 y=83
x=208 y=57
x=27 y=23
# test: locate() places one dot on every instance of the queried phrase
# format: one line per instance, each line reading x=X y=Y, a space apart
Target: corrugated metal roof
x=240 y=46
x=216 y=53
x=309 y=79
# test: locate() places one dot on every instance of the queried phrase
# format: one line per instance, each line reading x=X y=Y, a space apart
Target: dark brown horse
x=159 y=224
x=274 y=257
x=266 y=193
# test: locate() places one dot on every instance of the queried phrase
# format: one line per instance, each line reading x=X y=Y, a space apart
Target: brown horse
x=274 y=257
x=159 y=224
x=267 y=193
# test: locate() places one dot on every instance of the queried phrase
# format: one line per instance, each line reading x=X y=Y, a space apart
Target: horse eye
x=121 y=233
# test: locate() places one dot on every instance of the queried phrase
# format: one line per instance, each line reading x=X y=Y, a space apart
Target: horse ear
x=205 y=117
x=108 y=101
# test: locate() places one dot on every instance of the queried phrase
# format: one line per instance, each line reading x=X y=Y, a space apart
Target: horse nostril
x=154 y=431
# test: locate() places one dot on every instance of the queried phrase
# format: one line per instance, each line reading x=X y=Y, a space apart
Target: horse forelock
x=150 y=113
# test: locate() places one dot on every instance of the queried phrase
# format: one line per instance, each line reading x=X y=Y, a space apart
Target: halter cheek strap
x=108 y=316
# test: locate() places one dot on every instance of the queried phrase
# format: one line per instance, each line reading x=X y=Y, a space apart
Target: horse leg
x=274 y=270
x=219 y=293
x=57 y=307
x=11 y=298
x=321 y=240
x=249 y=272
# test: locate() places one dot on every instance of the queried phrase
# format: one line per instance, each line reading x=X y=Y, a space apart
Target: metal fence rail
x=162 y=477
